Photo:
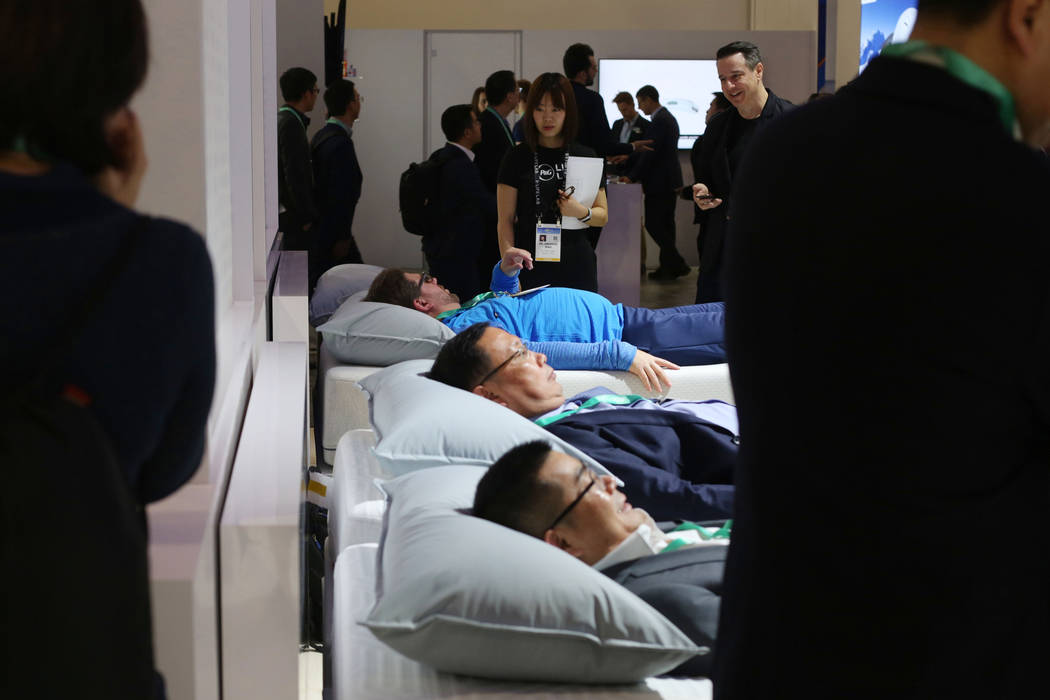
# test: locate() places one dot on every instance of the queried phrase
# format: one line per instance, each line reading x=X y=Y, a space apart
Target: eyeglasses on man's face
x=575 y=502
x=423 y=279
x=520 y=352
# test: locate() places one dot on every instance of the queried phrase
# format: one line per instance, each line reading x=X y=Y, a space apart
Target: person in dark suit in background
x=337 y=180
x=661 y=176
x=923 y=360
x=592 y=121
x=295 y=178
x=741 y=72
x=630 y=127
x=554 y=497
x=719 y=104
x=464 y=207
x=501 y=91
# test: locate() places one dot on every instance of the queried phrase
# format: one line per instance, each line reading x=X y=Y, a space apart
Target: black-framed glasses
x=575 y=502
x=516 y=354
x=423 y=279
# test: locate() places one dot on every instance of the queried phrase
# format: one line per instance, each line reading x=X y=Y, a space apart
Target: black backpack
x=72 y=543
x=418 y=195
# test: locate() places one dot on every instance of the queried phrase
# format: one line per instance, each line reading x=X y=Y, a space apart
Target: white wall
x=390 y=133
x=300 y=42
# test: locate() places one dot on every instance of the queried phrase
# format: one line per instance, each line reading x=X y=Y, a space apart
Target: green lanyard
x=298 y=118
x=503 y=123
x=705 y=534
x=615 y=399
x=965 y=70
x=484 y=296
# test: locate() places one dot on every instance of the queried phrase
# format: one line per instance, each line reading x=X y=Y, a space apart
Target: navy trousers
x=685 y=335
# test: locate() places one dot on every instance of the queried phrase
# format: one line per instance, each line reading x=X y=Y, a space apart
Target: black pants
x=659 y=220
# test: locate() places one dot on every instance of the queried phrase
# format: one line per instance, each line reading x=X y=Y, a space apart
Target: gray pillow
x=372 y=333
x=468 y=596
x=421 y=423
x=336 y=285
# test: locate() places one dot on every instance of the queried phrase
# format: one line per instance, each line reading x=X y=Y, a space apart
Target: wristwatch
x=586 y=218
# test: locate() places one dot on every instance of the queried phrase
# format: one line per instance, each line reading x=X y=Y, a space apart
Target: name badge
x=548 y=243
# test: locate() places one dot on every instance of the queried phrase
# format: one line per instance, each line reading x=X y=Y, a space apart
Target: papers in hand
x=529 y=291
x=585 y=174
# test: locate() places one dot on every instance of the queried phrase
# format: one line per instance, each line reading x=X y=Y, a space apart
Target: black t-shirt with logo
x=578 y=267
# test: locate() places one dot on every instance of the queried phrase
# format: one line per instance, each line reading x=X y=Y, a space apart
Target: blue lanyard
x=503 y=123
x=297 y=117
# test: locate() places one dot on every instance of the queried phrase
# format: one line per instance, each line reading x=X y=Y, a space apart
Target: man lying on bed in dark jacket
x=675 y=458
x=554 y=497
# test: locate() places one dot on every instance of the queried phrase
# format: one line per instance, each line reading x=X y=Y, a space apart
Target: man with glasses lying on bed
x=676 y=458
x=554 y=497
x=599 y=334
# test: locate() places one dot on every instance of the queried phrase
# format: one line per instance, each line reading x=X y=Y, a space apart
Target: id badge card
x=548 y=243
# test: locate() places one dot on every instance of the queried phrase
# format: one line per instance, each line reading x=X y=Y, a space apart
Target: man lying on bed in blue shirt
x=579 y=329
x=675 y=458
x=554 y=497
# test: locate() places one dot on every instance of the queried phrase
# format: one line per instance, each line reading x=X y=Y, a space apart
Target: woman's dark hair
x=560 y=89
x=512 y=494
x=391 y=287
x=475 y=100
x=93 y=54
x=461 y=363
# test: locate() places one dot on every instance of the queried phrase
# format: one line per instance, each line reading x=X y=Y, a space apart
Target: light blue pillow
x=467 y=596
x=336 y=285
x=421 y=423
x=377 y=334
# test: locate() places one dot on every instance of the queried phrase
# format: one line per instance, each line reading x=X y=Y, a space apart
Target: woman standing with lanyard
x=532 y=199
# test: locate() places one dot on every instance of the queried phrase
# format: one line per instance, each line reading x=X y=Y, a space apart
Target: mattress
x=344 y=406
x=362 y=668
x=356 y=507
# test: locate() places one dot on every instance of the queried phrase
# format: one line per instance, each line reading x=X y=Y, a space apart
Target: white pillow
x=467 y=596
x=422 y=423
x=336 y=285
x=377 y=334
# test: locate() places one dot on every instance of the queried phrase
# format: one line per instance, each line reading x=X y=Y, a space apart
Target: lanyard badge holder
x=548 y=236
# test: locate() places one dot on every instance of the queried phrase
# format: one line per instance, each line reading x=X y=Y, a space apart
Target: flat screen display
x=884 y=22
x=685 y=88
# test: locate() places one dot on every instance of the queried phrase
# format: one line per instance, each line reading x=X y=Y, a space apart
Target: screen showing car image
x=685 y=88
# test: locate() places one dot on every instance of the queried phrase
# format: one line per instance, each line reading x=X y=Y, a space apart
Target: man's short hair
x=91 y=56
x=512 y=493
x=752 y=56
x=455 y=120
x=648 y=92
x=460 y=362
x=622 y=97
x=966 y=13
x=499 y=85
x=721 y=101
x=392 y=287
x=577 y=57
x=560 y=89
x=295 y=82
x=338 y=96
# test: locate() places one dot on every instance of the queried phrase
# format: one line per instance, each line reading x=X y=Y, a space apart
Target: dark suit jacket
x=659 y=170
x=675 y=466
x=294 y=172
x=685 y=586
x=594 y=124
x=638 y=130
x=337 y=183
x=922 y=358
x=714 y=172
x=494 y=145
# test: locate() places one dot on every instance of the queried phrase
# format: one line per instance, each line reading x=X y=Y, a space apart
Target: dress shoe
x=664 y=274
